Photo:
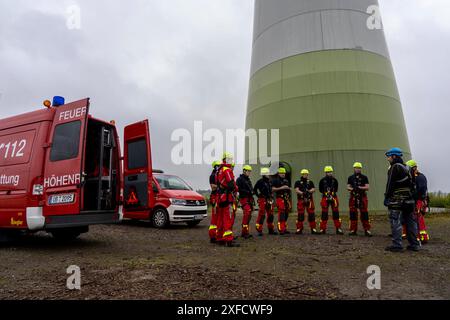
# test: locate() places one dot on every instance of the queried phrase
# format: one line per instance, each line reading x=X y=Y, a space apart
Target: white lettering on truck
x=61 y=181
x=9 y=180
x=13 y=149
x=72 y=114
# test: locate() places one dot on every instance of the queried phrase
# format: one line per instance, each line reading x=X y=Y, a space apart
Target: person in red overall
x=328 y=187
x=305 y=202
x=282 y=191
x=358 y=185
x=263 y=190
x=421 y=197
x=246 y=200
x=213 y=202
x=227 y=192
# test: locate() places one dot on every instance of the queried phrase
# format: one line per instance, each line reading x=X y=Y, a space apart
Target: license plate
x=198 y=217
x=61 y=199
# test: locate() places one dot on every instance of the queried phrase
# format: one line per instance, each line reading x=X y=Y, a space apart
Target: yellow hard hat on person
x=328 y=169
x=304 y=171
x=282 y=171
x=411 y=163
x=358 y=165
x=247 y=168
x=227 y=155
x=265 y=171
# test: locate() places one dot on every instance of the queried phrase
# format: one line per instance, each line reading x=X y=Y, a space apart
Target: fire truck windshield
x=167 y=182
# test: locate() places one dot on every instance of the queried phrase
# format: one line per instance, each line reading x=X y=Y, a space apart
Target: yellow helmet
x=411 y=163
x=328 y=169
x=304 y=171
x=228 y=158
x=282 y=171
x=358 y=165
x=247 y=168
x=265 y=171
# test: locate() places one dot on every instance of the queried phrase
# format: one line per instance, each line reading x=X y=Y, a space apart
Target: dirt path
x=134 y=261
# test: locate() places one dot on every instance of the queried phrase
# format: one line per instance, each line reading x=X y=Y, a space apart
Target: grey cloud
x=176 y=61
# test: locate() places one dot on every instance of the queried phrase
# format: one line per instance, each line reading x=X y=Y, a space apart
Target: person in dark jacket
x=328 y=187
x=282 y=189
x=421 y=197
x=263 y=190
x=246 y=200
x=358 y=186
x=304 y=188
x=400 y=202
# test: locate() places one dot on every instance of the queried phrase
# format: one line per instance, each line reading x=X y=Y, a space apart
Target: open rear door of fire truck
x=65 y=160
x=138 y=195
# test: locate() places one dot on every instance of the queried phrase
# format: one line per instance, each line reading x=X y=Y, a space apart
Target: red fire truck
x=61 y=171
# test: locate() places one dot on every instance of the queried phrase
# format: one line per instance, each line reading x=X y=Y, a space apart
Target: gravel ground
x=135 y=261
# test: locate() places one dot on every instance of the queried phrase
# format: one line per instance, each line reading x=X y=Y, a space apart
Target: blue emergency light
x=58 y=101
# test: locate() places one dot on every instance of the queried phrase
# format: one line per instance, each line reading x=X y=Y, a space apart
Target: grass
x=440 y=200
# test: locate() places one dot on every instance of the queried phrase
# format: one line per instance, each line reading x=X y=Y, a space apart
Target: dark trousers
x=405 y=215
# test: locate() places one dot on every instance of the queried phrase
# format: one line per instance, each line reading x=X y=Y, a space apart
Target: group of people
x=406 y=198
x=405 y=184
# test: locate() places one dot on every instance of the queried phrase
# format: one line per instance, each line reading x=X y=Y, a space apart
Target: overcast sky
x=177 y=61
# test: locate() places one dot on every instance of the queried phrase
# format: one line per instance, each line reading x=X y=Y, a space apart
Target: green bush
x=440 y=200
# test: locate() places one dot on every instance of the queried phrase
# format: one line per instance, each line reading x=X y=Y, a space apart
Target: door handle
x=133 y=178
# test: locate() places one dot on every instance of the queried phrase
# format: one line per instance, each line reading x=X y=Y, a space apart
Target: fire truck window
x=66 y=141
x=137 y=154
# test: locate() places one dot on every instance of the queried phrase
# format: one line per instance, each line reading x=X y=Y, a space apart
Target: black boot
x=339 y=231
x=367 y=233
x=232 y=244
x=393 y=249
x=273 y=232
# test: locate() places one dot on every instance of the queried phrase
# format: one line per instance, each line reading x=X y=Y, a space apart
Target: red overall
x=423 y=235
x=283 y=213
x=265 y=208
x=213 y=224
x=310 y=209
x=364 y=212
x=225 y=219
x=334 y=204
x=421 y=208
x=247 y=208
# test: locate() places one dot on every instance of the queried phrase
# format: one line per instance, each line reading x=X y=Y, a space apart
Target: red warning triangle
x=132 y=199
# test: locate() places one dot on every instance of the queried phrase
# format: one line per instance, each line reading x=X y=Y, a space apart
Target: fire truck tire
x=160 y=218
x=68 y=234
x=192 y=224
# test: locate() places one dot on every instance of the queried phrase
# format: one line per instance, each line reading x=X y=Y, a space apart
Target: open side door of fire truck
x=63 y=179
x=138 y=194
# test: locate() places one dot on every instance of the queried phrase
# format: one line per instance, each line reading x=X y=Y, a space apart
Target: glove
x=386 y=202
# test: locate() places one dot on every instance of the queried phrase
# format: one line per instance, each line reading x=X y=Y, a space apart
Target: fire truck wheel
x=192 y=224
x=160 y=218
